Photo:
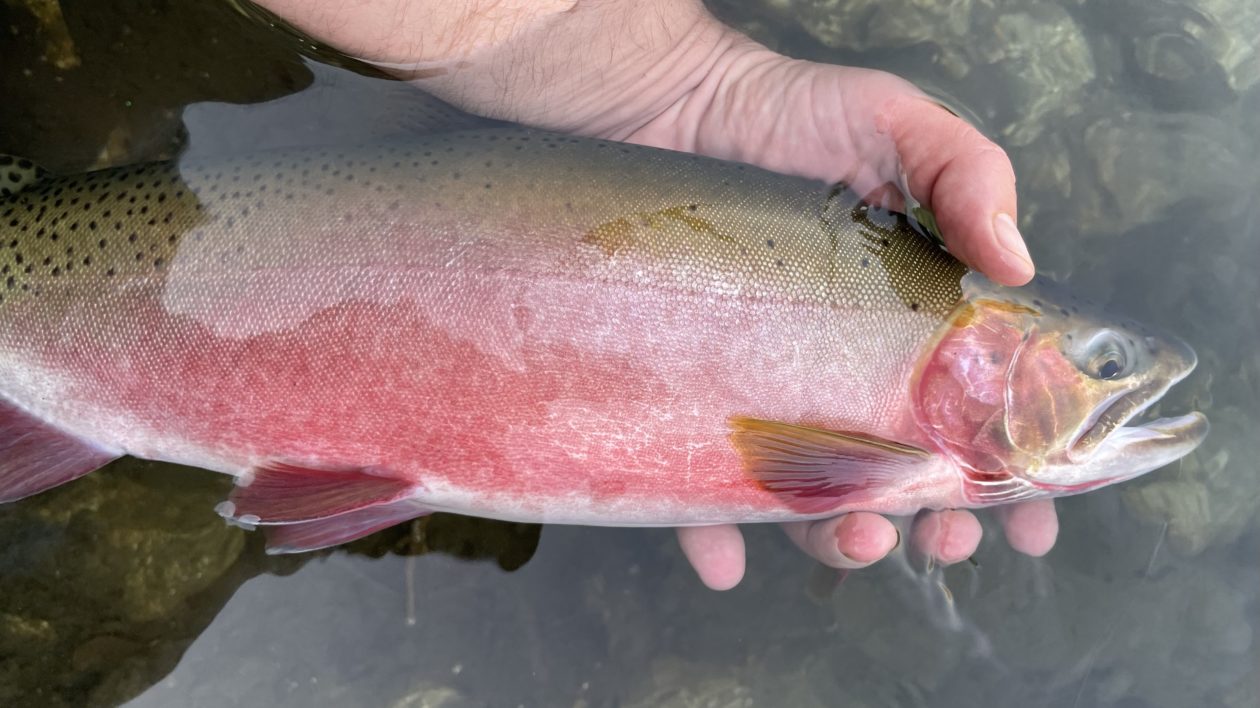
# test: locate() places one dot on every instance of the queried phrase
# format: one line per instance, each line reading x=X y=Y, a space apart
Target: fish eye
x=1110 y=368
x=1107 y=357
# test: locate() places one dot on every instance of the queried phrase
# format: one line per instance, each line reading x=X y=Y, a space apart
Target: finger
x=1031 y=527
x=715 y=552
x=850 y=541
x=946 y=536
x=966 y=181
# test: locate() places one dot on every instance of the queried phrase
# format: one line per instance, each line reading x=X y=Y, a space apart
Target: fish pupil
x=1110 y=369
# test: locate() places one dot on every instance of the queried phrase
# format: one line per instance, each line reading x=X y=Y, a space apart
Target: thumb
x=965 y=180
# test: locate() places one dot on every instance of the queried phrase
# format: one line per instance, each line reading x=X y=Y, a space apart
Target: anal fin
x=35 y=456
x=284 y=494
x=815 y=471
x=336 y=530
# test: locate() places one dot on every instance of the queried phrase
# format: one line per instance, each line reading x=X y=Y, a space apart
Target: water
x=1133 y=129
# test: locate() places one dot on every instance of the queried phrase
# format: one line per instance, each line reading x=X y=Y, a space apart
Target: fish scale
x=528 y=326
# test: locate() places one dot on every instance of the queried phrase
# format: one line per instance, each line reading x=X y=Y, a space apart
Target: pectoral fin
x=815 y=471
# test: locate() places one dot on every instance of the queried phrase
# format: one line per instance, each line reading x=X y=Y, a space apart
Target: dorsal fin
x=18 y=173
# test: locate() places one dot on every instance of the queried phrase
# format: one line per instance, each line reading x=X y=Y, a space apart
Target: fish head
x=1035 y=383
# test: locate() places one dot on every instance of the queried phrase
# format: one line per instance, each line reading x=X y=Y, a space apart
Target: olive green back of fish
x=574 y=206
x=119 y=223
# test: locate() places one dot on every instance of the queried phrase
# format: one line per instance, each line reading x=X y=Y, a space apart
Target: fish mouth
x=1111 y=426
x=1117 y=449
x=1128 y=451
x=1142 y=448
x=1108 y=418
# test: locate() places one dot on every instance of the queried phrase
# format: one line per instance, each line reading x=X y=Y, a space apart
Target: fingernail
x=1012 y=243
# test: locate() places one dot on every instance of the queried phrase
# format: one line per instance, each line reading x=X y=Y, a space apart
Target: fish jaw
x=1128 y=452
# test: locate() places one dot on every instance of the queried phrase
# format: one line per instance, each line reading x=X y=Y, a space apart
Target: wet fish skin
x=518 y=325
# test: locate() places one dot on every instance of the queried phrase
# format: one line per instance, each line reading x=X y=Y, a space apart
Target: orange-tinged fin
x=336 y=530
x=815 y=471
x=35 y=456
x=281 y=493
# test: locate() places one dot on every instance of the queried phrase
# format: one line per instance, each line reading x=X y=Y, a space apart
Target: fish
x=514 y=324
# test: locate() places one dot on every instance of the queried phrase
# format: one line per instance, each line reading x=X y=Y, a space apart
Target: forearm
x=597 y=67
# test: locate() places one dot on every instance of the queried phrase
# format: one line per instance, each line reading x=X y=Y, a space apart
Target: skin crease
x=666 y=73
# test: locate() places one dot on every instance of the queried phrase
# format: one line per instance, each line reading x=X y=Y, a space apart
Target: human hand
x=666 y=73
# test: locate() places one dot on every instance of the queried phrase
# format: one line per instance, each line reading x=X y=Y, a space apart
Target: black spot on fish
x=994 y=357
x=1064 y=312
x=865 y=262
x=769 y=243
x=779 y=262
x=914 y=307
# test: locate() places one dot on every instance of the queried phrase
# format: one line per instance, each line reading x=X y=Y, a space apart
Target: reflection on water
x=1133 y=129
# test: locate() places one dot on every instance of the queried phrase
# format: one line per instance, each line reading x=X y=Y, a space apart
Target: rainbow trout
x=519 y=325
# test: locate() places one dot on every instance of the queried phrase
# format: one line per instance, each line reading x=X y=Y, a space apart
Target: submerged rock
x=99 y=580
x=59 y=49
x=1187 y=54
